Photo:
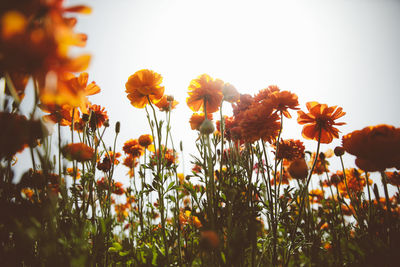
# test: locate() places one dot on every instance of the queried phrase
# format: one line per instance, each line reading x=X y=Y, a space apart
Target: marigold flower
x=145 y=140
x=259 y=122
x=169 y=156
x=205 y=91
x=197 y=119
x=320 y=119
x=376 y=147
x=290 y=149
x=142 y=86
x=99 y=116
x=133 y=147
x=166 y=103
x=355 y=182
x=78 y=151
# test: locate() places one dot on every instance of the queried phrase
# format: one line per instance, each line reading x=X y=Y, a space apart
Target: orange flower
x=209 y=239
x=98 y=117
x=316 y=195
x=169 y=157
x=355 y=182
x=290 y=149
x=72 y=91
x=320 y=119
x=19 y=80
x=145 y=140
x=283 y=100
x=133 y=147
x=376 y=147
x=78 y=151
x=205 y=90
x=197 y=119
x=393 y=178
x=142 y=86
x=259 y=122
x=167 y=103
x=59 y=114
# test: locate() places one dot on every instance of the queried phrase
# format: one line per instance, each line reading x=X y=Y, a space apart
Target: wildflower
x=298 y=169
x=118 y=189
x=133 y=147
x=393 y=178
x=320 y=121
x=168 y=156
x=71 y=90
x=61 y=114
x=355 y=183
x=290 y=149
x=283 y=100
x=166 y=103
x=230 y=93
x=205 y=91
x=284 y=179
x=78 y=151
x=259 y=122
x=197 y=119
x=339 y=151
x=28 y=193
x=98 y=116
x=145 y=140
x=142 y=86
x=376 y=147
x=23 y=132
x=316 y=195
x=321 y=166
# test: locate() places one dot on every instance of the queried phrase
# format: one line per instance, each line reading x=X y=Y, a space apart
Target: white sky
x=339 y=52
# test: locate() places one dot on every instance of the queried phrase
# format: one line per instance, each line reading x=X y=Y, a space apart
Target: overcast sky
x=339 y=52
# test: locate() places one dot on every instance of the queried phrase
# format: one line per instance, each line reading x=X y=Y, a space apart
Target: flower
x=78 y=151
x=145 y=140
x=205 y=91
x=283 y=100
x=197 y=119
x=290 y=149
x=61 y=114
x=142 y=86
x=259 y=122
x=23 y=133
x=393 y=178
x=98 y=117
x=230 y=93
x=72 y=91
x=320 y=121
x=166 y=103
x=133 y=147
x=376 y=147
x=355 y=182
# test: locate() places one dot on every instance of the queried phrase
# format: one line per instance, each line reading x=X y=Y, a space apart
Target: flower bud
x=117 y=127
x=170 y=98
x=298 y=169
x=339 y=151
x=207 y=127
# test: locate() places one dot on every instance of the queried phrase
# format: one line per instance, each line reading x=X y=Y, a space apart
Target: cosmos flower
x=376 y=147
x=205 y=91
x=320 y=119
x=142 y=86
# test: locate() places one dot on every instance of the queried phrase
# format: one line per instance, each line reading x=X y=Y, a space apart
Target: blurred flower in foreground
x=143 y=85
x=376 y=147
x=23 y=132
x=205 y=91
x=320 y=118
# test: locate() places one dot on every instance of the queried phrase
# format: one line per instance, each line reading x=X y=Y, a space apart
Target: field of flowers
x=250 y=198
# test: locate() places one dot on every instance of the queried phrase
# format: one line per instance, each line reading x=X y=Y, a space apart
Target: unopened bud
x=207 y=127
x=117 y=127
x=298 y=169
x=106 y=123
x=339 y=151
x=170 y=98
